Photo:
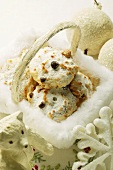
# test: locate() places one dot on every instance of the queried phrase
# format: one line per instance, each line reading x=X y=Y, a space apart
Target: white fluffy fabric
x=61 y=134
x=14 y=49
x=23 y=40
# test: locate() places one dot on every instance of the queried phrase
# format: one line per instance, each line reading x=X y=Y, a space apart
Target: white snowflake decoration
x=95 y=143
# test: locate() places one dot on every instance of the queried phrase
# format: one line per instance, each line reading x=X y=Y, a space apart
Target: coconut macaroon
x=8 y=68
x=53 y=68
x=7 y=71
x=81 y=86
x=56 y=103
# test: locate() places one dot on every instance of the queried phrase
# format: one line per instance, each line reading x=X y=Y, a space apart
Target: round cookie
x=81 y=86
x=57 y=103
x=8 y=69
x=28 y=84
x=53 y=68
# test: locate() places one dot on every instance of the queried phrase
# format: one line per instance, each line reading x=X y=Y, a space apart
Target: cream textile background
x=18 y=15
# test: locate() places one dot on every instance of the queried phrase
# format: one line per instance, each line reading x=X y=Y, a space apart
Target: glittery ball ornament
x=106 y=54
x=96 y=28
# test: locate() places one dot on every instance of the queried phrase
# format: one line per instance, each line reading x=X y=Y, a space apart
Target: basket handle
x=35 y=48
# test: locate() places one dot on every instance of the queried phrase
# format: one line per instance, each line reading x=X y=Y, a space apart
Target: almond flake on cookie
x=53 y=68
x=57 y=103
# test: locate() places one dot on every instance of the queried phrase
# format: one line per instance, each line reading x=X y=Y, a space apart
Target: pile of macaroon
x=52 y=82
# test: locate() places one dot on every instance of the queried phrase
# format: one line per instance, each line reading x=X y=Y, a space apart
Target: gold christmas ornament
x=106 y=54
x=96 y=28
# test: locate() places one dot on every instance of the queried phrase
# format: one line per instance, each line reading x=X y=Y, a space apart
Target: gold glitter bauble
x=96 y=28
x=106 y=54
